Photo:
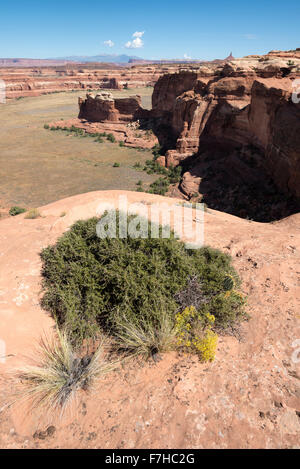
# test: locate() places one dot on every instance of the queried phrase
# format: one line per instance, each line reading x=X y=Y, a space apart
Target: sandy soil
x=248 y=398
x=38 y=166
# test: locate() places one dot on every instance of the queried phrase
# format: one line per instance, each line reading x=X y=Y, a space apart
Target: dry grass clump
x=146 y=338
x=60 y=372
x=32 y=214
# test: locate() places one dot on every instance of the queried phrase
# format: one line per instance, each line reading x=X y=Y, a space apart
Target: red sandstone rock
x=234 y=111
x=104 y=108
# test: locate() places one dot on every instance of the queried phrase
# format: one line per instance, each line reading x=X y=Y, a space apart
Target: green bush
x=160 y=186
x=92 y=284
x=156 y=151
x=16 y=211
x=169 y=176
x=111 y=138
x=152 y=167
x=116 y=165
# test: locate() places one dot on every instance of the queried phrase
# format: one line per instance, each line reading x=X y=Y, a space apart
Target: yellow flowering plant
x=194 y=333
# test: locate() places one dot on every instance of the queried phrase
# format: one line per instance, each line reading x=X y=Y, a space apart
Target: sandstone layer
x=35 y=81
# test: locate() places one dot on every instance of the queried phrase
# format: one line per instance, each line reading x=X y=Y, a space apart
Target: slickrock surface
x=248 y=398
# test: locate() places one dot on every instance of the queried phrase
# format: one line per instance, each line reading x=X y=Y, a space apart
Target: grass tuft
x=32 y=214
x=60 y=372
x=146 y=338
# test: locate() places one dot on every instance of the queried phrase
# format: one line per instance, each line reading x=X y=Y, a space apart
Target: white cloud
x=187 y=57
x=138 y=34
x=109 y=43
x=137 y=42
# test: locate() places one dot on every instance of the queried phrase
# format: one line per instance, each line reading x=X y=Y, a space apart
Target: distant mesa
x=25 y=62
x=230 y=57
x=104 y=58
x=122 y=60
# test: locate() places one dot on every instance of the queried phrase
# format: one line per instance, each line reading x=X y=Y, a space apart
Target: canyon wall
x=245 y=105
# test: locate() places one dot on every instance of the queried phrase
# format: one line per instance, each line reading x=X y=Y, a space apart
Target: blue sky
x=164 y=29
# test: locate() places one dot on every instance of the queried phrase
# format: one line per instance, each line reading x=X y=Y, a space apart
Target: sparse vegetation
x=169 y=176
x=75 y=156
x=137 y=166
x=162 y=184
x=98 y=136
x=116 y=165
x=16 y=211
x=111 y=138
x=156 y=151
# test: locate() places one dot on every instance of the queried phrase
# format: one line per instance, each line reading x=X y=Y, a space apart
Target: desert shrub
x=46 y=126
x=174 y=174
x=59 y=372
x=137 y=166
x=111 y=138
x=16 y=211
x=122 y=144
x=116 y=165
x=32 y=214
x=99 y=140
x=91 y=284
x=156 y=151
x=152 y=167
x=169 y=176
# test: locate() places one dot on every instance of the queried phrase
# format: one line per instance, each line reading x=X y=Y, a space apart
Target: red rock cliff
x=238 y=107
